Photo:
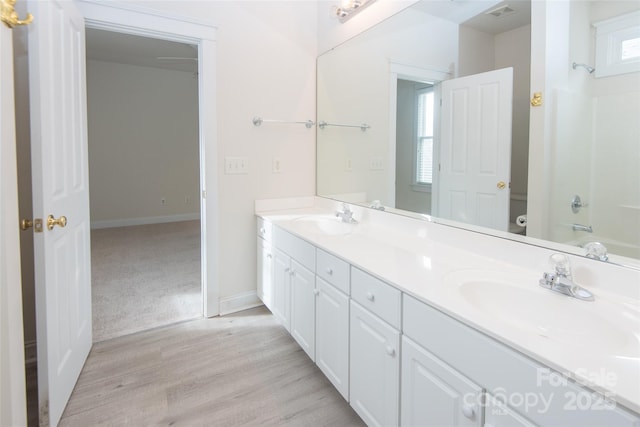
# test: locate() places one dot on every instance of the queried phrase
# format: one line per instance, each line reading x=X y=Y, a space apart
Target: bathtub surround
x=144 y=277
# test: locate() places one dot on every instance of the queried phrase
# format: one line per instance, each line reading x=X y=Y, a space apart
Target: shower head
x=589 y=69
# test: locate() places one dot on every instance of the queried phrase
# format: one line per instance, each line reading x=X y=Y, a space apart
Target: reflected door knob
x=52 y=222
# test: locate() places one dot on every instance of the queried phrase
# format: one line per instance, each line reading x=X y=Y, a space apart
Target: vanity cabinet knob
x=468 y=411
x=330 y=271
x=370 y=296
x=269 y=256
x=391 y=351
x=316 y=292
x=262 y=231
x=286 y=270
x=292 y=273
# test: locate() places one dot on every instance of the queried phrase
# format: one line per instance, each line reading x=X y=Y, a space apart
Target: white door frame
x=413 y=73
x=125 y=18
x=13 y=407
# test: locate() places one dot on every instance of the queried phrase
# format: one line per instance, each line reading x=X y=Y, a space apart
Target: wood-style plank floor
x=238 y=370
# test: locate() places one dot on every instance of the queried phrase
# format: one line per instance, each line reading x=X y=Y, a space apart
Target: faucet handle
x=547 y=280
x=596 y=250
x=561 y=264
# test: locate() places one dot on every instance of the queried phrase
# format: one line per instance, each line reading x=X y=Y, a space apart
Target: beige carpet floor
x=144 y=277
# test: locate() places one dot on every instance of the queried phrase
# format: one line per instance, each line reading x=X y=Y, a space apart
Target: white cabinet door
x=265 y=273
x=434 y=394
x=332 y=335
x=281 y=288
x=498 y=415
x=374 y=368
x=303 y=311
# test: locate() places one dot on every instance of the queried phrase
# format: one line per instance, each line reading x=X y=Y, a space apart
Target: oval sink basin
x=542 y=312
x=326 y=225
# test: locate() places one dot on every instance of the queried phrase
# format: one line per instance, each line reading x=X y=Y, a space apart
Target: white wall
x=476 y=52
x=266 y=53
x=143 y=144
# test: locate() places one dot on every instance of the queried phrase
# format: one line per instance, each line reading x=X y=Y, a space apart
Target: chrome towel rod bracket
x=257 y=121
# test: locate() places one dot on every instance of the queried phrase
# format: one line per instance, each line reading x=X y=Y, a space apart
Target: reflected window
x=424 y=136
x=618 y=45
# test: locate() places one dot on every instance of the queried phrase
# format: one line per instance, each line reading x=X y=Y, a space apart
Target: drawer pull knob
x=329 y=271
x=391 y=351
x=316 y=292
x=370 y=296
x=468 y=411
x=262 y=230
x=269 y=256
x=286 y=270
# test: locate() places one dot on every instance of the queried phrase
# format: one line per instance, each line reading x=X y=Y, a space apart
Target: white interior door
x=13 y=409
x=475 y=149
x=60 y=188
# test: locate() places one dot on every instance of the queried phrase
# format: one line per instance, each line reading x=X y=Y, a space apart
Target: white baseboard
x=144 y=220
x=30 y=353
x=239 y=302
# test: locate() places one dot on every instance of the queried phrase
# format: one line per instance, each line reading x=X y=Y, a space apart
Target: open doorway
x=142 y=108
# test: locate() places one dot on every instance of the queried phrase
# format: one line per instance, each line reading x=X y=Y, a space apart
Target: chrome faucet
x=580 y=227
x=346 y=214
x=562 y=281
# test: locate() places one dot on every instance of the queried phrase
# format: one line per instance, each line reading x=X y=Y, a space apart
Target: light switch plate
x=236 y=165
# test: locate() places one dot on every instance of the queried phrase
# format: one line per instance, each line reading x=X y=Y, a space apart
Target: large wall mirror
x=430 y=113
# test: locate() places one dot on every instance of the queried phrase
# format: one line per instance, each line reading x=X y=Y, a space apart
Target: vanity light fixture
x=348 y=8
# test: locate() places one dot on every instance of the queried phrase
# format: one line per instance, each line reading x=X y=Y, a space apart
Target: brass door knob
x=52 y=222
x=501 y=185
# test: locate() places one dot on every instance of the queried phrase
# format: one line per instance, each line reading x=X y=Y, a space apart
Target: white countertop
x=596 y=343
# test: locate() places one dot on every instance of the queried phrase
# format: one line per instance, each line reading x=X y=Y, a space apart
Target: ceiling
x=147 y=52
x=488 y=23
x=142 y=51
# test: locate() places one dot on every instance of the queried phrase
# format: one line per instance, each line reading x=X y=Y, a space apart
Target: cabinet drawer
x=333 y=270
x=377 y=296
x=297 y=248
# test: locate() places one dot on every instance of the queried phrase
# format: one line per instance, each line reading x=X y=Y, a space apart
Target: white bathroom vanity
x=417 y=323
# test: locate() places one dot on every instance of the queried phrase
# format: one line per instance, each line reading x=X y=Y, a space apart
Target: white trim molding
x=239 y=302
x=126 y=222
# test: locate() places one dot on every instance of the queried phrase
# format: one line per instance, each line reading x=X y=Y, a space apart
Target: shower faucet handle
x=577 y=204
